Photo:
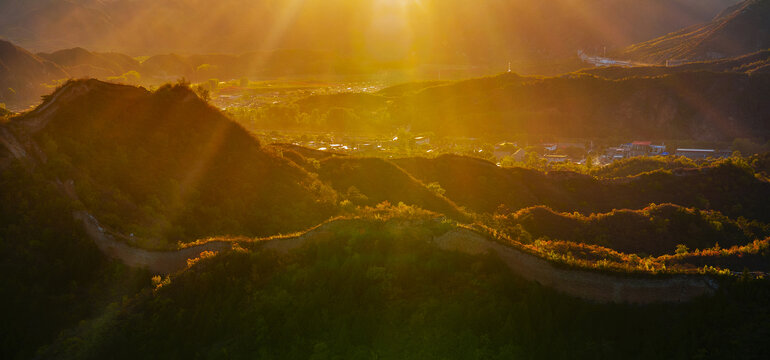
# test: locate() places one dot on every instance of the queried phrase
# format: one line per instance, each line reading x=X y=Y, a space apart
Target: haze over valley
x=385 y=179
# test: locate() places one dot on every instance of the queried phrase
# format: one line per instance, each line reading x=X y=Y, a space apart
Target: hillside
x=54 y=276
x=370 y=181
x=754 y=63
x=741 y=29
x=655 y=230
x=168 y=167
x=380 y=288
x=642 y=164
x=161 y=168
x=693 y=105
x=23 y=75
x=699 y=105
x=481 y=186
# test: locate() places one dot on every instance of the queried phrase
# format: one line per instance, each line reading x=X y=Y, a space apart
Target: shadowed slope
x=483 y=187
x=369 y=181
x=166 y=165
x=655 y=230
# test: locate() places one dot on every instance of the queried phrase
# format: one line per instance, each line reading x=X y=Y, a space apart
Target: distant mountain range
x=427 y=31
x=740 y=29
x=23 y=75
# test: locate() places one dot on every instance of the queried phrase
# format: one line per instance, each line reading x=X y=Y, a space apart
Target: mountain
x=49 y=25
x=80 y=62
x=741 y=29
x=697 y=105
x=167 y=167
x=24 y=75
x=491 y=33
x=754 y=63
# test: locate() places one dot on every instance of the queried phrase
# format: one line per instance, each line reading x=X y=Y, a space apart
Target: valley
x=389 y=179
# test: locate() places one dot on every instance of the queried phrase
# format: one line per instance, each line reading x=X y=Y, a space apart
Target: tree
x=341 y=118
x=436 y=188
x=682 y=249
x=203 y=93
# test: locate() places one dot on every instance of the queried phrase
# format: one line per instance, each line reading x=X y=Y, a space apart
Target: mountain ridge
x=740 y=29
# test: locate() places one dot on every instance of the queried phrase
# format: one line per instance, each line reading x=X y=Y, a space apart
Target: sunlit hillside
x=384 y=179
x=738 y=30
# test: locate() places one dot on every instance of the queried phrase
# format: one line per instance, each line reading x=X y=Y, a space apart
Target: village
x=501 y=153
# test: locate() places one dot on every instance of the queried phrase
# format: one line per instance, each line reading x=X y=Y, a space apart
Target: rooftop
x=696 y=150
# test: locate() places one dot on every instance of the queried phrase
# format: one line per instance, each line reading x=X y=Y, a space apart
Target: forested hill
x=739 y=30
x=686 y=105
x=167 y=166
x=699 y=105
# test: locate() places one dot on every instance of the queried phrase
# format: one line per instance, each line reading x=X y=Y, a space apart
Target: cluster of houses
x=512 y=150
x=556 y=152
x=646 y=148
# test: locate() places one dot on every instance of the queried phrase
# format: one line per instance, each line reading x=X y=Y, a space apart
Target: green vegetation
x=372 y=181
x=729 y=186
x=376 y=289
x=655 y=230
x=574 y=106
x=4 y=113
x=168 y=167
x=53 y=276
x=142 y=219
x=754 y=256
x=637 y=165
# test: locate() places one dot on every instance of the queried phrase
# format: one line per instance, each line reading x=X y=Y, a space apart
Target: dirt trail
x=161 y=262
